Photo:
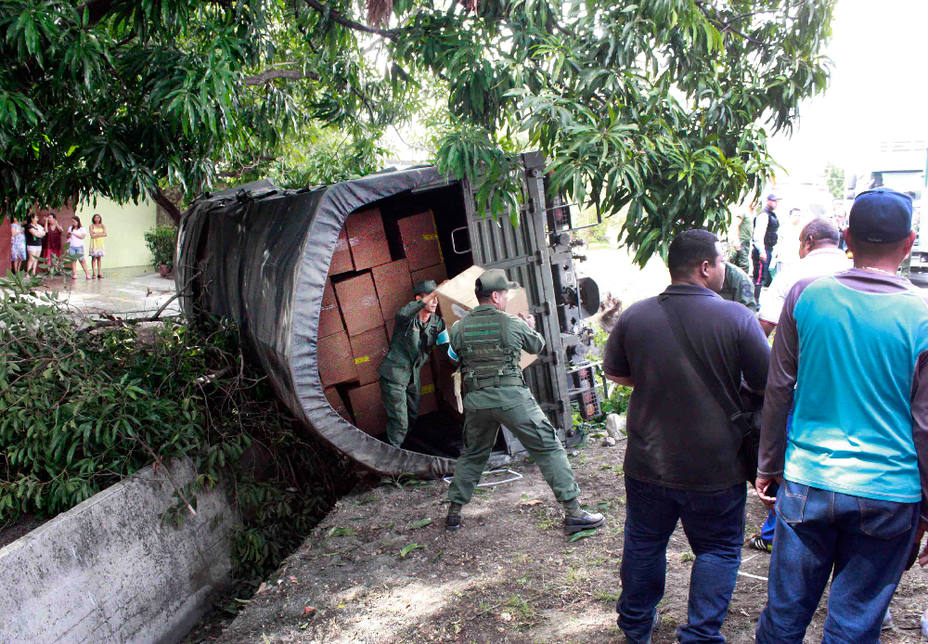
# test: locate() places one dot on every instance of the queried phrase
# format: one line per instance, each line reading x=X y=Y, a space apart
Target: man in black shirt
x=682 y=456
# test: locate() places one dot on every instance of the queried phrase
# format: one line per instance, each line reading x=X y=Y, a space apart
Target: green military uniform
x=488 y=344
x=738 y=287
x=742 y=257
x=399 y=372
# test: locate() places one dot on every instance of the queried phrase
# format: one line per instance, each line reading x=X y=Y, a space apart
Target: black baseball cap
x=881 y=216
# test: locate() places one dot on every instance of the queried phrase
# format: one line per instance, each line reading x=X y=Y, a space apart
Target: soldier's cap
x=424 y=287
x=493 y=279
x=881 y=216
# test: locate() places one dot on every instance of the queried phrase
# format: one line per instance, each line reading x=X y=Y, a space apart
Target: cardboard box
x=367 y=408
x=428 y=395
x=335 y=362
x=389 y=324
x=359 y=305
x=330 y=317
x=456 y=297
x=368 y=350
x=335 y=399
x=420 y=240
x=437 y=273
x=367 y=239
x=341 y=258
x=391 y=281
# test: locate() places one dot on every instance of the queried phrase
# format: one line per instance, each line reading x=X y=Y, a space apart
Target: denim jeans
x=861 y=543
x=714 y=526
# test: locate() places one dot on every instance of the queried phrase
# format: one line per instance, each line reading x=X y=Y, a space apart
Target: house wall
x=125 y=229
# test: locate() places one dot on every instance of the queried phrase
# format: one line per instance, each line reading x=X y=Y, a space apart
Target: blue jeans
x=714 y=526
x=862 y=543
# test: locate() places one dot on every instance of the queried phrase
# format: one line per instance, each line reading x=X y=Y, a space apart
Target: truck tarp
x=259 y=255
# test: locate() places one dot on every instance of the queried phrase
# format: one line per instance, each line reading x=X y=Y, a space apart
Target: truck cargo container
x=263 y=257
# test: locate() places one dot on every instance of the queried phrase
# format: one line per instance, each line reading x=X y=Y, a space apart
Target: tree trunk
x=169 y=206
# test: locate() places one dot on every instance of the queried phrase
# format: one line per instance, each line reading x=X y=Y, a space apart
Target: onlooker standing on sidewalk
x=766 y=226
x=34 y=234
x=682 y=459
x=850 y=371
x=53 y=230
x=76 y=236
x=97 y=233
x=17 y=244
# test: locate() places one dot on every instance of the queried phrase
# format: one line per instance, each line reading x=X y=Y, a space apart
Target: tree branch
x=339 y=18
x=270 y=74
x=162 y=200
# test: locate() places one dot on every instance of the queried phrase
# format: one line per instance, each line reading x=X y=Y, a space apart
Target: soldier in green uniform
x=415 y=332
x=741 y=252
x=738 y=287
x=488 y=342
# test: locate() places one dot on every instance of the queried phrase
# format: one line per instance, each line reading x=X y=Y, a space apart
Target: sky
x=877 y=93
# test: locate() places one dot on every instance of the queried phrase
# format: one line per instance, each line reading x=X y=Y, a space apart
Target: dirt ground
x=380 y=568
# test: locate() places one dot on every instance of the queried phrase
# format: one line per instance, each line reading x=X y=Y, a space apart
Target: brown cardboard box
x=456 y=297
x=335 y=362
x=335 y=399
x=368 y=410
x=428 y=398
x=341 y=257
x=359 y=305
x=437 y=273
x=330 y=317
x=389 y=324
x=368 y=350
x=420 y=240
x=367 y=239
x=391 y=281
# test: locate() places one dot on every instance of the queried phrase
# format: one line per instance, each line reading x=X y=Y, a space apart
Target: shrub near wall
x=82 y=407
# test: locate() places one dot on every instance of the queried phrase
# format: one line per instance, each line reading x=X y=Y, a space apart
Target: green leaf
x=583 y=534
x=407 y=549
x=421 y=523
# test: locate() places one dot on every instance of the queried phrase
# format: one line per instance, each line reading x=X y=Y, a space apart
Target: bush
x=162 y=241
x=84 y=404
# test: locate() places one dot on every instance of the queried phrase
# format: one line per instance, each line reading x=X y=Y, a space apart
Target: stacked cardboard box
x=367 y=407
x=358 y=303
x=367 y=239
x=437 y=273
x=420 y=240
x=330 y=317
x=428 y=398
x=391 y=281
x=341 y=257
x=335 y=399
x=368 y=350
x=336 y=364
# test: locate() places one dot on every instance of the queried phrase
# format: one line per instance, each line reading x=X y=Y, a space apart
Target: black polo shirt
x=678 y=436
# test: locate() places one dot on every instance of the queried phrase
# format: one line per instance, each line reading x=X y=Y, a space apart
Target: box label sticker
x=429 y=236
x=427 y=389
x=362 y=359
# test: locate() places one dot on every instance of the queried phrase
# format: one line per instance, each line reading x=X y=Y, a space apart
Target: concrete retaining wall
x=109 y=570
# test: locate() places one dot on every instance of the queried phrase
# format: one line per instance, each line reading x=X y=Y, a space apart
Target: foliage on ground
x=660 y=109
x=85 y=403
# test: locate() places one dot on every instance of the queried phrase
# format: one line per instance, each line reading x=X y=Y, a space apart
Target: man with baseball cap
x=415 y=331
x=488 y=343
x=849 y=375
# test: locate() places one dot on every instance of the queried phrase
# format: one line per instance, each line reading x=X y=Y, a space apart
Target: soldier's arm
x=529 y=339
x=407 y=311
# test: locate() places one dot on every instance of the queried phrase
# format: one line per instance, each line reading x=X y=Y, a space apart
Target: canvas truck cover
x=260 y=255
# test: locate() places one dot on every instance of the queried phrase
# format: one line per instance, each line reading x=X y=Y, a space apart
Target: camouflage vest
x=487 y=358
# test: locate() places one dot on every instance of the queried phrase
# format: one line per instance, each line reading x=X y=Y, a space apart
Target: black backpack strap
x=711 y=383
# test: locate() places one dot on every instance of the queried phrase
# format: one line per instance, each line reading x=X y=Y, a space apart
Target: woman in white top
x=34 y=234
x=76 y=235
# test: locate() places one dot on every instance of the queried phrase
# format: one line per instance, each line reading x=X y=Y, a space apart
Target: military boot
x=453 y=520
x=577 y=519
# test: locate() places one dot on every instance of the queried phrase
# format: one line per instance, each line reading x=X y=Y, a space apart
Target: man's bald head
x=818 y=233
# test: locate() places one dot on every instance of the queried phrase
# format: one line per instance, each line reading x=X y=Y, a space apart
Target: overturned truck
x=312 y=278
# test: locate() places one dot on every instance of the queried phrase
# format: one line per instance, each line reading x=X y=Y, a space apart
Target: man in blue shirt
x=849 y=374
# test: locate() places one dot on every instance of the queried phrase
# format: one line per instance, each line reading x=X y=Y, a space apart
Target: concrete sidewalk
x=134 y=291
